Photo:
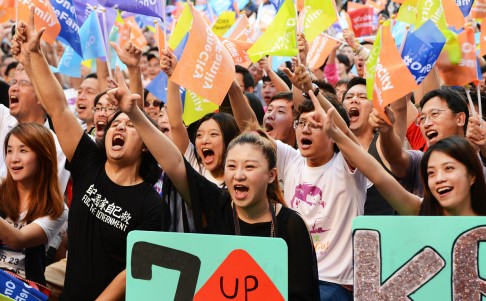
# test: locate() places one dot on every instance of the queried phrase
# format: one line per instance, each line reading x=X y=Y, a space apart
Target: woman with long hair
x=214 y=131
x=252 y=204
x=31 y=203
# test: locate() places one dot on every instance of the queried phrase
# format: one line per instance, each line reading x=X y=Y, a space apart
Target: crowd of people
x=291 y=153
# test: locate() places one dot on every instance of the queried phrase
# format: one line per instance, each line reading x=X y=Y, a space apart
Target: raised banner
x=205 y=67
x=362 y=21
x=238 y=50
x=182 y=266
x=66 y=14
x=478 y=10
x=419 y=258
x=319 y=50
x=392 y=78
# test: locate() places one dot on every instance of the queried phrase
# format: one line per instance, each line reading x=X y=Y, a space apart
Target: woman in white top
x=31 y=203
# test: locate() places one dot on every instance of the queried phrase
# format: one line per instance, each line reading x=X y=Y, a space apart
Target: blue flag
x=66 y=14
x=158 y=86
x=69 y=64
x=18 y=290
x=276 y=3
x=421 y=50
x=465 y=6
x=83 y=8
x=147 y=7
x=92 y=41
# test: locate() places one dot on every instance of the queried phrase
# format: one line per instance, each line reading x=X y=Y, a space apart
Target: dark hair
x=322 y=84
x=247 y=78
x=91 y=75
x=344 y=60
x=280 y=74
x=10 y=66
x=354 y=82
x=288 y=96
x=256 y=106
x=257 y=137
x=149 y=168
x=227 y=124
x=98 y=97
x=459 y=149
x=152 y=56
x=455 y=102
x=307 y=106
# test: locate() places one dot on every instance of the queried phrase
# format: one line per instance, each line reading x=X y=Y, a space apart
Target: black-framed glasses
x=109 y=110
x=156 y=103
x=301 y=123
x=432 y=115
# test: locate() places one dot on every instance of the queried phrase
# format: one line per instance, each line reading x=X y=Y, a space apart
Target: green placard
x=183 y=266
x=424 y=258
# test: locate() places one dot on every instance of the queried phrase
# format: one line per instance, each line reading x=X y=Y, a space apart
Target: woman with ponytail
x=252 y=204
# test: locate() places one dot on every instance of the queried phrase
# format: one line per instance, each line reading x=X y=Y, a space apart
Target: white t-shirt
x=328 y=197
x=15 y=259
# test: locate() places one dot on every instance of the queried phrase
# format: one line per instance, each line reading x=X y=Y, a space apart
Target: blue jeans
x=334 y=292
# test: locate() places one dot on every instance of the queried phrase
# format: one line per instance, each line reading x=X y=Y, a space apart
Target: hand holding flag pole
x=471 y=105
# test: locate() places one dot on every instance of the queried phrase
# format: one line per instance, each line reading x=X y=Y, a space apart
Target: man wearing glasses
x=444 y=113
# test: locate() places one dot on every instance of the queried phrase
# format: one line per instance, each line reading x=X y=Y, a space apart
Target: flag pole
x=471 y=105
x=480 y=106
x=107 y=45
x=164 y=26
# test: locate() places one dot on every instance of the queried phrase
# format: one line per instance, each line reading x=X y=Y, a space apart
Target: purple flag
x=146 y=7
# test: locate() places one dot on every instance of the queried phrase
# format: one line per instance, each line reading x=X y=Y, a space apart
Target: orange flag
x=478 y=10
x=124 y=32
x=237 y=49
x=205 y=67
x=393 y=80
x=453 y=14
x=137 y=36
x=482 y=39
x=44 y=16
x=240 y=29
x=464 y=72
x=319 y=51
x=160 y=38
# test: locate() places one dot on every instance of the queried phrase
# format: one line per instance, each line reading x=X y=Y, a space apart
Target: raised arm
x=131 y=55
x=302 y=78
x=29 y=236
x=390 y=144
x=280 y=85
x=180 y=137
x=242 y=110
x=401 y=200
x=50 y=92
x=164 y=151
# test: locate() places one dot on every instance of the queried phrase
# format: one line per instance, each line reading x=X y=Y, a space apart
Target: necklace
x=273 y=225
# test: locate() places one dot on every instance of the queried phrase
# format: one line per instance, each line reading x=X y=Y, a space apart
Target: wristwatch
x=315 y=89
